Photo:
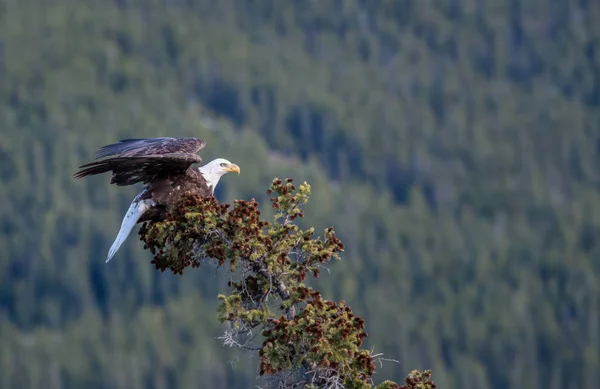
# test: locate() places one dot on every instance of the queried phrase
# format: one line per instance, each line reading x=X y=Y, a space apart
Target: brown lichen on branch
x=307 y=341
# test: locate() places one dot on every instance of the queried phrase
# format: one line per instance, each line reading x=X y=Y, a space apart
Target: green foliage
x=319 y=335
x=227 y=234
x=415 y=380
x=419 y=380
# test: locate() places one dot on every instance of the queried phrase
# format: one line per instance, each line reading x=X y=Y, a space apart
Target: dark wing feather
x=151 y=146
x=133 y=169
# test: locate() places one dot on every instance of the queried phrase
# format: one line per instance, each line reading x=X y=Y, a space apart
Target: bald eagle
x=164 y=166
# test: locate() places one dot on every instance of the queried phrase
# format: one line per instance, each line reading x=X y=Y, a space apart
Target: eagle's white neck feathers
x=215 y=169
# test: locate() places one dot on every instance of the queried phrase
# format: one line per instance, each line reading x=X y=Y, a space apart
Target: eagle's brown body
x=169 y=191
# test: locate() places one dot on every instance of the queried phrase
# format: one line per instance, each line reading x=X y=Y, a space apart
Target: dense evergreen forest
x=453 y=144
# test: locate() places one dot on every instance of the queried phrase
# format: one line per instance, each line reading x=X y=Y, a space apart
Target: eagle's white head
x=215 y=169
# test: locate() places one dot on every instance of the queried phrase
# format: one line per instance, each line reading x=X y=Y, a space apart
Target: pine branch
x=307 y=341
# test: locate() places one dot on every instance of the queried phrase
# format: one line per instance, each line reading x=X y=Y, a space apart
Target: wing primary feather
x=129 y=170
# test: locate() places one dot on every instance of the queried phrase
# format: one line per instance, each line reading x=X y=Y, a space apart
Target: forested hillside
x=453 y=144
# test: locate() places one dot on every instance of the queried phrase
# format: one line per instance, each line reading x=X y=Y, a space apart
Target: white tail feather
x=136 y=209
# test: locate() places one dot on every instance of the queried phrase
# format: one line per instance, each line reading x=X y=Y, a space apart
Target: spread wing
x=151 y=146
x=143 y=160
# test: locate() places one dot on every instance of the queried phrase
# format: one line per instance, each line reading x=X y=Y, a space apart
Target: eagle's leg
x=135 y=211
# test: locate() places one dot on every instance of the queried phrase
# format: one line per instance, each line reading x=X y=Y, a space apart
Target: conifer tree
x=302 y=339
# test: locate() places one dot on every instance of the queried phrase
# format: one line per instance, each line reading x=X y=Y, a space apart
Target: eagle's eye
x=223 y=164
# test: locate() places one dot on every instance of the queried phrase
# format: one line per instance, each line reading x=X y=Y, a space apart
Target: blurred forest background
x=453 y=144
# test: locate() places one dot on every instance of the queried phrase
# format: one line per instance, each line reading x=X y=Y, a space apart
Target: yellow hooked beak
x=233 y=168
